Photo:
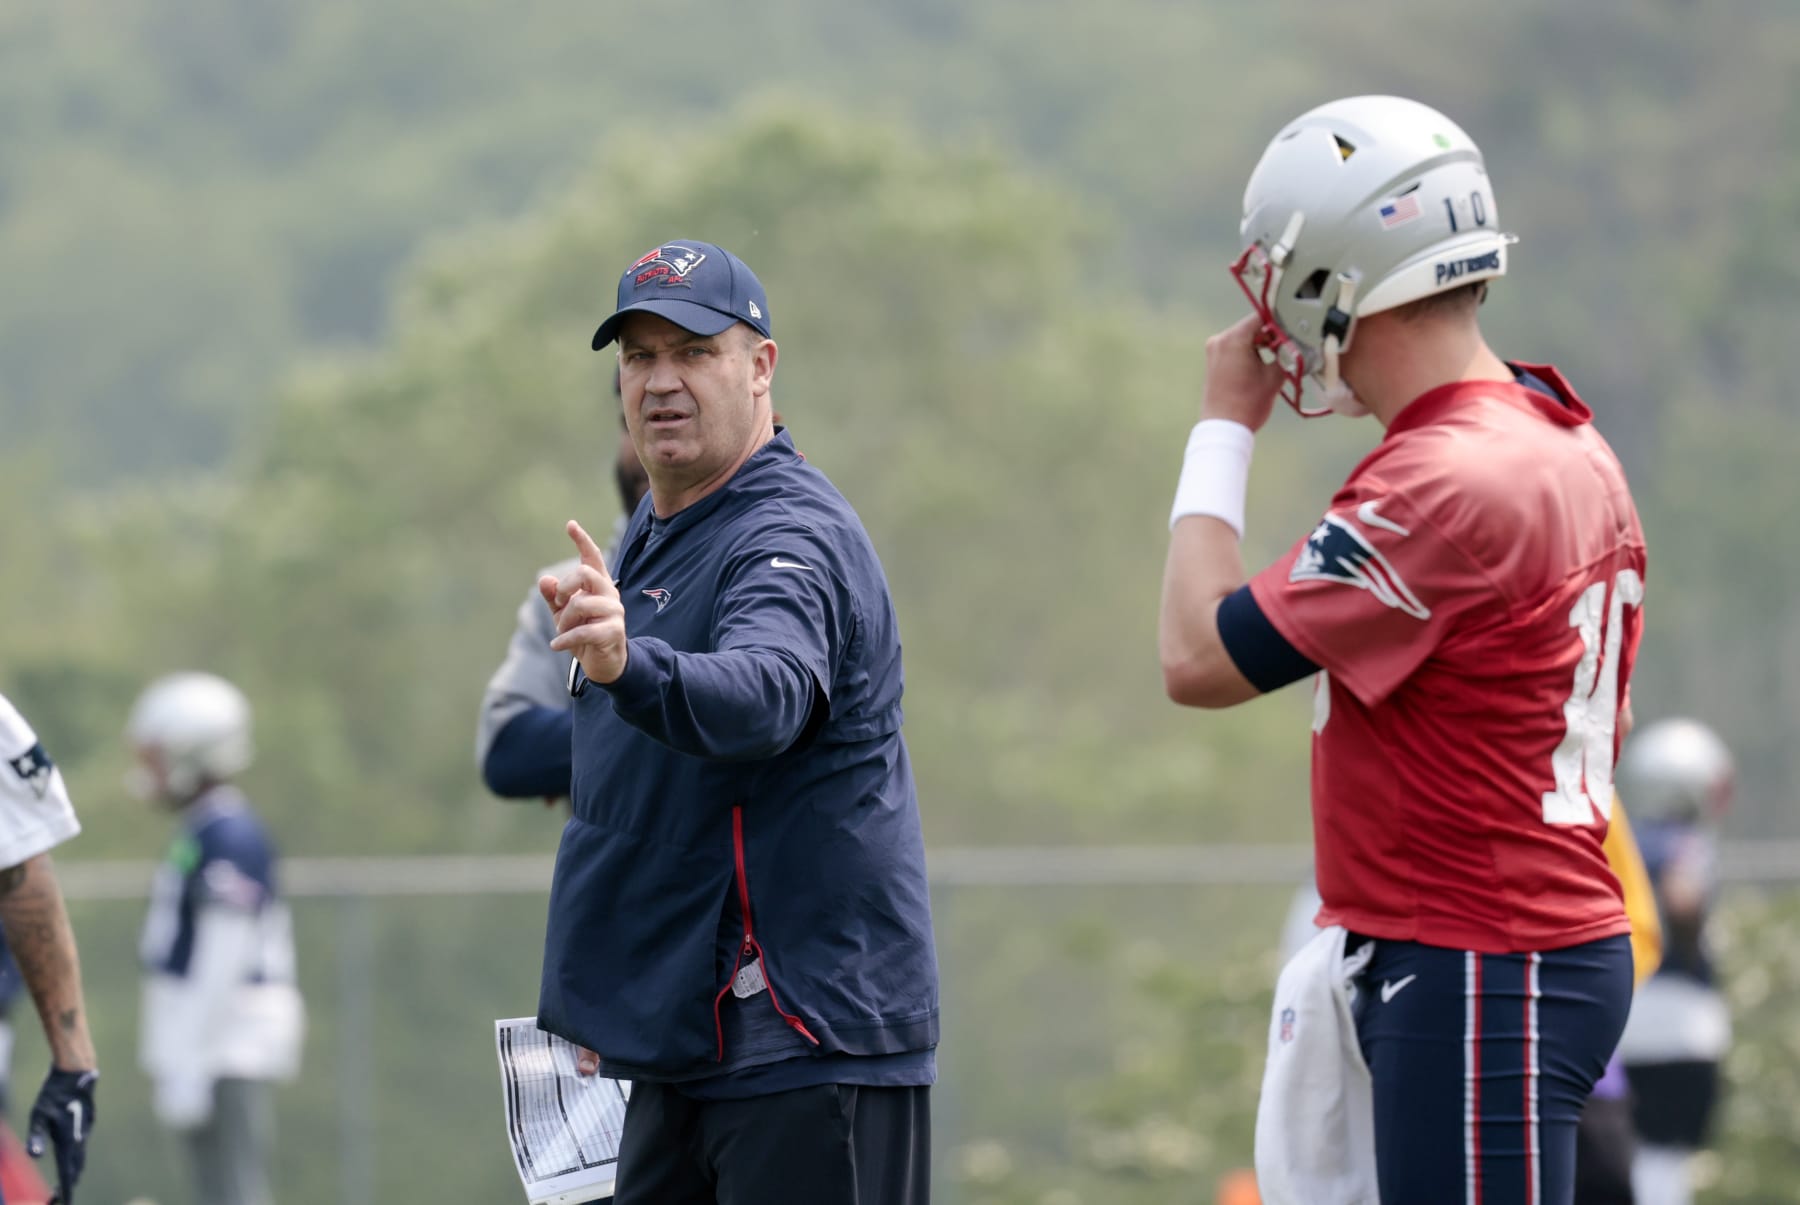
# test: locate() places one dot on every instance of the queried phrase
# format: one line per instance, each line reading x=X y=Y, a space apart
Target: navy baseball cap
x=697 y=286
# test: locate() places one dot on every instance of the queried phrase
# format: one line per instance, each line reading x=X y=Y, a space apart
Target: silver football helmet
x=197 y=726
x=1356 y=207
x=1675 y=770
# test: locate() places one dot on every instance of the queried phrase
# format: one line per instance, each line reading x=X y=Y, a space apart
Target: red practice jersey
x=1473 y=596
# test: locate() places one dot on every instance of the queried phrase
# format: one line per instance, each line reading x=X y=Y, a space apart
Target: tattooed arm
x=37 y=928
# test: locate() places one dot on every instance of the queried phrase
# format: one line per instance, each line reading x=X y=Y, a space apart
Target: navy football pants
x=1481 y=1065
x=835 y=1144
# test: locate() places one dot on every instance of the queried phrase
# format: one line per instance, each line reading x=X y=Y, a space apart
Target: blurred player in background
x=1605 y=1142
x=522 y=736
x=35 y=814
x=222 y=1016
x=1469 y=605
x=1679 y=777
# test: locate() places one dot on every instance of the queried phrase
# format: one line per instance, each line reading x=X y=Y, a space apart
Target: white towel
x=1315 y=1124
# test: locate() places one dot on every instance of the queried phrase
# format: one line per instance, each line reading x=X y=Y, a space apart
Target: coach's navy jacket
x=751 y=749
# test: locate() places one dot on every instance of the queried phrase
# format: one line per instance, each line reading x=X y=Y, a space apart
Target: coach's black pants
x=836 y=1144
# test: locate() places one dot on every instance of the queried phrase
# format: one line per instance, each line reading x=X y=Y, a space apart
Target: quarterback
x=1469 y=607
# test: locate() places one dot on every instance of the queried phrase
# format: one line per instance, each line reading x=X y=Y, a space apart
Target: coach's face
x=696 y=405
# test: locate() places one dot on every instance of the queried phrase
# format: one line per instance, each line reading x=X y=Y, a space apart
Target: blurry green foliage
x=195 y=198
x=992 y=416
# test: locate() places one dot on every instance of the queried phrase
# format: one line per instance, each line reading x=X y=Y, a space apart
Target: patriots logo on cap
x=1338 y=552
x=35 y=767
x=670 y=265
x=660 y=597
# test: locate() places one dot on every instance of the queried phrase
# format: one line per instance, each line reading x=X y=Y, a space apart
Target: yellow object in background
x=1640 y=900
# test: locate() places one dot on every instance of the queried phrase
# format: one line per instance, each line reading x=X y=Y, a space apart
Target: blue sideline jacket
x=751 y=749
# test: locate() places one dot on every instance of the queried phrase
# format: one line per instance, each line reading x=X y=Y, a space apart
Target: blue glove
x=63 y=1115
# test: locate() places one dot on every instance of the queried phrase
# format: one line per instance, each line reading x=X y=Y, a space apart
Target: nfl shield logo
x=1287 y=1025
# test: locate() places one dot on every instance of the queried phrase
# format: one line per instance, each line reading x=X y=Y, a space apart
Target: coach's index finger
x=591 y=556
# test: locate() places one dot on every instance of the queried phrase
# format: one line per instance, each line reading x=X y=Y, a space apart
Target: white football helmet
x=1675 y=770
x=1356 y=207
x=198 y=726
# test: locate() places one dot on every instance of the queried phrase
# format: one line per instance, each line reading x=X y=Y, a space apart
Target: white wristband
x=1215 y=473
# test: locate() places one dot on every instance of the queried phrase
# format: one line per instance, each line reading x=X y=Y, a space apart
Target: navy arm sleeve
x=1260 y=652
x=743 y=705
x=783 y=619
x=530 y=757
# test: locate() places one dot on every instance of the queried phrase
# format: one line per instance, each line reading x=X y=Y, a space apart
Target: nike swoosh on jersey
x=1367 y=513
x=1390 y=990
x=778 y=563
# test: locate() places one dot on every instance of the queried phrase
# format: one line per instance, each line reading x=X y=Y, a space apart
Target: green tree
x=1005 y=428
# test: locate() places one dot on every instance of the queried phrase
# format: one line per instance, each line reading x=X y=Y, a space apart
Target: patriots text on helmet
x=1453 y=269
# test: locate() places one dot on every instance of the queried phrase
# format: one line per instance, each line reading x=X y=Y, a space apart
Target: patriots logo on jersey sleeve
x=1338 y=552
x=34 y=767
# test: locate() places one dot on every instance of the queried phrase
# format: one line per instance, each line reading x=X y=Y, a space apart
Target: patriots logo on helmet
x=34 y=767
x=661 y=597
x=1338 y=552
x=670 y=265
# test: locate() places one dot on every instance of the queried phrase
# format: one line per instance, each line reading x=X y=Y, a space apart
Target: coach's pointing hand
x=590 y=619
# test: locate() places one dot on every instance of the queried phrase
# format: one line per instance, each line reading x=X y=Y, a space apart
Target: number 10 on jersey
x=1583 y=761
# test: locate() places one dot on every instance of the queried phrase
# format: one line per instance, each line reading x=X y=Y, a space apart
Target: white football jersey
x=35 y=812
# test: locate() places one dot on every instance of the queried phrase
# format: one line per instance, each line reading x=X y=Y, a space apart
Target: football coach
x=739 y=921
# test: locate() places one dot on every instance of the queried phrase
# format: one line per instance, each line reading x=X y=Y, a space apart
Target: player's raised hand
x=1239 y=386
x=590 y=618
